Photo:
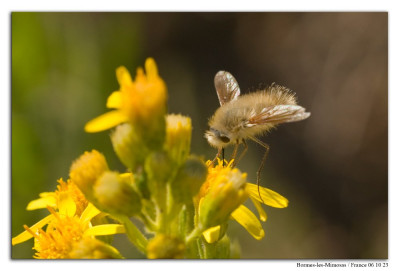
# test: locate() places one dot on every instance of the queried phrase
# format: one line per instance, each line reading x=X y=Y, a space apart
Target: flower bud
x=141 y=185
x=91 y=248
x=158 y=169
x=165 y=247
x=86 y=169
x=179 y=133
x=128 y=146
x=116 y=196
x=191 y=175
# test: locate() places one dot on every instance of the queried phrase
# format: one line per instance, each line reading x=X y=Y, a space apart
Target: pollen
x=144 y=96
x=76 y=194
x=86 y=169
x=58 y=239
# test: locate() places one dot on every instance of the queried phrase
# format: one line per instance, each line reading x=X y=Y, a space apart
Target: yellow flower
x=53 y=199
x=222 y=193
x=136 y=101
x=242 y=214
x=64 y=230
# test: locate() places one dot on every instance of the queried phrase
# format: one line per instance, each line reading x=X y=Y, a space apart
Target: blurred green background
x=333 y=167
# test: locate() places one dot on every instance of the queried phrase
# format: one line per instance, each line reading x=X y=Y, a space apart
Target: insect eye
x=224 y=139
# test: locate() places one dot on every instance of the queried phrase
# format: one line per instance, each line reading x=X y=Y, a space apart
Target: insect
x=244 y=117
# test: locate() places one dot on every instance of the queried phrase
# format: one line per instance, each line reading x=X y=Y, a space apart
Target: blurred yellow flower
x=53 y=199
x=64 y=230
x=135 y=101
x=91 y=248
x=66 y=226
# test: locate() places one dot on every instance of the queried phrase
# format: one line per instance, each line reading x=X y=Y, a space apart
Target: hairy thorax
x=231 y=118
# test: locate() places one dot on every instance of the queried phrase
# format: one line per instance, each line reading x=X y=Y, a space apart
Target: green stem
x=200 y=248
x=193 y=235
x=134 y=234
x=150 y=224
x=161 y=208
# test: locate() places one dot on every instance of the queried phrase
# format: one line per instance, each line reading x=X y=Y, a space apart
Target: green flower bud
x=158 y=169
x=116 y=195
x=191 y=175
x=165 y=247
x=128 y=146
x=179 y=134
x=91 y=248
x=141 y=185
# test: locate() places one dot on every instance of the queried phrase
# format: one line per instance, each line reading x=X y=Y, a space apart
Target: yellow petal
x=212 y=234
x=260 y=210
x=47 y=194
x=249 y=221
x=151 y=69
x=127 y=177
x=24 y=236
x=43 y=202
x=105 y=121
x=268 y=196
x=123 y=76
x=66 y=204
x=106 y=229
x=89 y=213
x=114 y=100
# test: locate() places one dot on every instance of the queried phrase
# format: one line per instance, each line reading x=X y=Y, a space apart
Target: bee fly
x=247 y=116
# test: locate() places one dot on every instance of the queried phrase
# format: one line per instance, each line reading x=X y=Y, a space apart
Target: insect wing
x=279 y=114
x=226 y=86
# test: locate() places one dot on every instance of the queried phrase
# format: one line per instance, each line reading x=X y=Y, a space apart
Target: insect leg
x=262 y=163
x=223 y=157
x=218 y=154
x=234 y=153
x=243 y=152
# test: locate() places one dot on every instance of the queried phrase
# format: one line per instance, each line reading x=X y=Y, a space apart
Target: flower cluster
x=183 y=203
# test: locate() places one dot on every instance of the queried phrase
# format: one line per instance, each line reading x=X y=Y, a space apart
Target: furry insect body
x=250 y=115
x=243 y=117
